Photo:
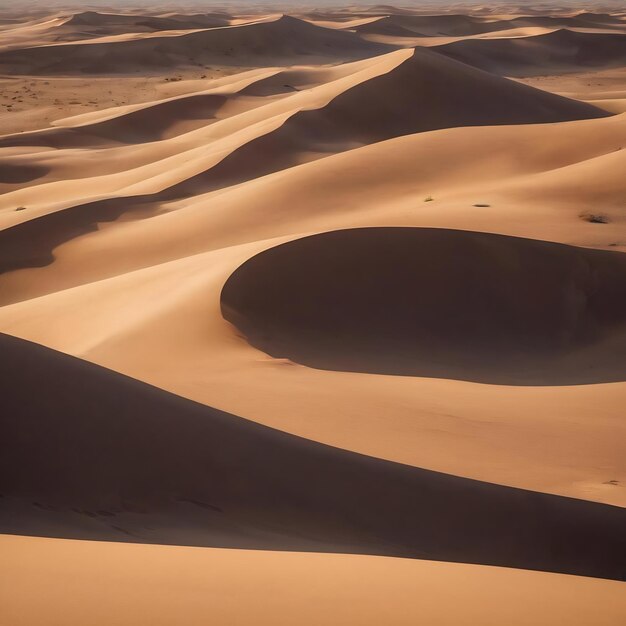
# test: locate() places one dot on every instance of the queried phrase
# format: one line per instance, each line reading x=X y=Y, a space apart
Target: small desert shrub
x=595 y=218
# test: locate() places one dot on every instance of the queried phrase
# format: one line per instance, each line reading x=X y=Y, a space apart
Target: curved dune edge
x=437 y=26
x=105 y=312
x=436 y=303
x=525 y=182
x=558 y=51
x=75 y=577
x=408 y=91
x=182 y=344
x=151 y=467
x=277 y=40
x=89 y=25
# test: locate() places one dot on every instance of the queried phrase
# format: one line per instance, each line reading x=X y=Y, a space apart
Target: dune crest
x=277 y=41
x=562 y=50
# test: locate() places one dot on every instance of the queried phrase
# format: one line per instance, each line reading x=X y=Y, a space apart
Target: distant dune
x=423 y=92
x=322 y=113
x=126 y=23
x=279 y=41
x=562 y=50
x=431 y=25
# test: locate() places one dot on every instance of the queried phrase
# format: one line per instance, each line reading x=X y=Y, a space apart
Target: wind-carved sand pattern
x=313 y=317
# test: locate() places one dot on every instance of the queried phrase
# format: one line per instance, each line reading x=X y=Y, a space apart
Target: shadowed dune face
x=107 y=22
x=14 y=172
x=94 y=454
x=428 y=92
x=559 y=51
x=436 y=303
x=431 y=25
x=268 y=42
x=152 y=123
x=467 y=26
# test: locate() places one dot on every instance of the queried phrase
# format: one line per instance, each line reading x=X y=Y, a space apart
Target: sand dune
x=262 y=43
x=422 y=93
x=233 y=469
x=182 y=345
x=330 y=305
x=402 y=25
x=410 y=91
x=562 y=50
x=431 y=25
x=173 y=108
x=127 y=23
x=32 y=242
x=392 y=25
x=91 y=25
x=425 y=93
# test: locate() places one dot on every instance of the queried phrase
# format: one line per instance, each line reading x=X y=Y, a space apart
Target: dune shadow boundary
x=436 y=303
x=91 y=454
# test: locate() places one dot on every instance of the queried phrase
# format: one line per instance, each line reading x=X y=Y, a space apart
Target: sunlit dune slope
x=278 y=41
x=407 y=92
x=104 y=583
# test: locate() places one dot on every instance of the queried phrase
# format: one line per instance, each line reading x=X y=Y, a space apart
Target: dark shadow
x=88 y=453
x=31 y=243
x=151 y=123
x=15 y=173
x=286 y=41
x=437 y=303
x=557 y=52
x=148 y=124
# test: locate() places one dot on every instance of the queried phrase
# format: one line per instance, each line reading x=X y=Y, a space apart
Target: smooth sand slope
x=121 y=583
x=128 y=23
x=91 y=24
x=408 y=92
x=276 y=41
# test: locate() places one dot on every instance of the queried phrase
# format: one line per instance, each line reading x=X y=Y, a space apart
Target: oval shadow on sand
x=436 y=303
x=16 y=173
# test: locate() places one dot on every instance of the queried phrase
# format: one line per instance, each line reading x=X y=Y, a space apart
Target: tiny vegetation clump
x=596 y=218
